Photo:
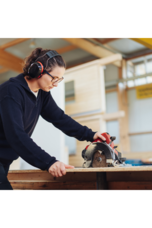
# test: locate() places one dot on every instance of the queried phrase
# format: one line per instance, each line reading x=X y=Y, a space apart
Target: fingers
x=98 y=135
x=69 y=166
x=102 y=137
x=60 y=173
x=63 y=171
x=58 y=169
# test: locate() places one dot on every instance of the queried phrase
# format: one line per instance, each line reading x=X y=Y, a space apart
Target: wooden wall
x=88 y=84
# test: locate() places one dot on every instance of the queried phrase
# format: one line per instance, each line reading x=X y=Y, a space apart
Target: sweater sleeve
x=53 y=114
x=22 y=144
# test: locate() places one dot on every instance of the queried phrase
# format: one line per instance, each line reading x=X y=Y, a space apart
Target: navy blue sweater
x=19 y=113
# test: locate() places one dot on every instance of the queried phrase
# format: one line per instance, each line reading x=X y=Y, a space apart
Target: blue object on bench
x=135 y=162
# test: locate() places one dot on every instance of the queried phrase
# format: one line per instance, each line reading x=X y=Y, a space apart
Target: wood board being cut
x=110 y=178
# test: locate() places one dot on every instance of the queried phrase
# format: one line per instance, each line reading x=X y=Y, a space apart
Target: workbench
x=111 y=178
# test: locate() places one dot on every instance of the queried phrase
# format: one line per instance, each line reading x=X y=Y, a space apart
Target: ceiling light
x=32 y=44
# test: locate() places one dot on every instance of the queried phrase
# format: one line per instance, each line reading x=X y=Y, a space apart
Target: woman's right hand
x=58 y=169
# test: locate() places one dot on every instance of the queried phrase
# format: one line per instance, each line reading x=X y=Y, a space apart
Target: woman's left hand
x=98 y=135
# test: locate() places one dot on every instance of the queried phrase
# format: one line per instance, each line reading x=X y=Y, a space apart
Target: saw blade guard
x=107 y=149
x=101 y=147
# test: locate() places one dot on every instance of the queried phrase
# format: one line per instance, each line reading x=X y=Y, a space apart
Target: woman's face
x=45 y=82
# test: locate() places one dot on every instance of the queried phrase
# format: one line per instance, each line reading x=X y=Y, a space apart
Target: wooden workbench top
x=106 y=169
x=118 y=178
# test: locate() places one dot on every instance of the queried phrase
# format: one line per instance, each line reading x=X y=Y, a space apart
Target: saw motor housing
x=102 y=154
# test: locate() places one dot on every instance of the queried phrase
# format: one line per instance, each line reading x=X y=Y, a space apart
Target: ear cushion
x=35 y=70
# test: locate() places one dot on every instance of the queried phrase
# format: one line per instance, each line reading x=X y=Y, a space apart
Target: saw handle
x=107 y=137
x=109 y=140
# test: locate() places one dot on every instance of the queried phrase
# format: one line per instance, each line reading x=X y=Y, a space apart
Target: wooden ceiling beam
x=10 y=61
x=13 y=42
x=95 y=50
x=106 y=40
x=66 y=49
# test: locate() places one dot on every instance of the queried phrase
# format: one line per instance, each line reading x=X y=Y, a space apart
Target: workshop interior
x=107 y=87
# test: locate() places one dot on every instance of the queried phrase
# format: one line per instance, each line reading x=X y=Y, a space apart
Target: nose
x=55 y=84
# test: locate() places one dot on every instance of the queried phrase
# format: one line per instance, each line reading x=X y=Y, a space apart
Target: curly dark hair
x=48 y=63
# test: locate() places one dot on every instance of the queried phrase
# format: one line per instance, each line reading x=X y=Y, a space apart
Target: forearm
x=74 y=129
x=53 y=114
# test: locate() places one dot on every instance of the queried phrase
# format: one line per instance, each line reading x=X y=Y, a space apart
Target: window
x=140 y=81
x=69 y=92
x=149 y=79
x=139 y=67
x=149 y=66
x=130 y=72
x=131 y=83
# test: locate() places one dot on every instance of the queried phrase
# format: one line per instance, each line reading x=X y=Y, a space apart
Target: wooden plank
x=113 y=169
x=113 y=116
x=88 y=118
x=106 y=40
x=34 y=175
x=124 y=121
x=77 y=185
x=124 y=69
x=120 y=72
x=129 y=176
x=66 y=49
x=130 y=185
x=13 y=42
x=83 y=170
x=103 y=61
x=91 y=48
x=140 y=133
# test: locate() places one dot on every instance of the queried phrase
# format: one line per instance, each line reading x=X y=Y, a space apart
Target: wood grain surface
x=117 y=178
x=105 y=169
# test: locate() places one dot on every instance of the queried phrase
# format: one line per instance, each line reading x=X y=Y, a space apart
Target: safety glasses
x=54 y=80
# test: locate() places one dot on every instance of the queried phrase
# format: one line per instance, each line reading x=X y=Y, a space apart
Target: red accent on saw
x=108 y=140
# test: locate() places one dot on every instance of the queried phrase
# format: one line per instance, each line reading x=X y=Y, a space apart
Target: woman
x=22 y=100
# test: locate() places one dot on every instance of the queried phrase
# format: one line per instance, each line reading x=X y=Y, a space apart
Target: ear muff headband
x=52 y=54
x=36 y=69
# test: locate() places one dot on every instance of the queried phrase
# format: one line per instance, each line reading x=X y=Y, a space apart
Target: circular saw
x=102 y=153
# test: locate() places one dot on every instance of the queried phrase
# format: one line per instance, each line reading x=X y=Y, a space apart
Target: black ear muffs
x=36 y=70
